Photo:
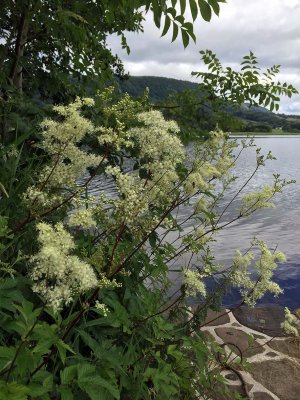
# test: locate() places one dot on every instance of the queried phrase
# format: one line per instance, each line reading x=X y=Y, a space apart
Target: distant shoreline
x=265 y=134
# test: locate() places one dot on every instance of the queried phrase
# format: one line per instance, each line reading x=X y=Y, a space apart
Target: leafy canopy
x=51 y=43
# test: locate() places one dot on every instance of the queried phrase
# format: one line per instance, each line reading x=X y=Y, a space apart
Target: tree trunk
x=16 y=72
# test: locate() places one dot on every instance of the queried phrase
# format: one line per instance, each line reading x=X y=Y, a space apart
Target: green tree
x=198 y=111
x=53 y=50
x=47 y=43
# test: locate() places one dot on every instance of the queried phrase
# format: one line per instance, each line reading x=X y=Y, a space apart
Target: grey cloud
x=270 y=28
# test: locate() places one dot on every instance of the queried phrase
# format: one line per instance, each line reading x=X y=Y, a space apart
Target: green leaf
x=66 y=393
x=156 y=12
x=90 y=381
x=182 y=6
x=194 y=9
x=215 y=6
x=205 y=10
x=71 y=14
x=175 y=32
x=62 y=348
x=13 y=391
x=69 y=374
x=185 y=38
x=167 y=25
x=6 y=355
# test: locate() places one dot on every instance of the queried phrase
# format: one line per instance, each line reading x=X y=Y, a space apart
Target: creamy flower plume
x=254 y=288
x=193 y=283
x=68 y=162
x=57 y=274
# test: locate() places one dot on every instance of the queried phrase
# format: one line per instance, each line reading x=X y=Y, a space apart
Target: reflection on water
x=279 y=227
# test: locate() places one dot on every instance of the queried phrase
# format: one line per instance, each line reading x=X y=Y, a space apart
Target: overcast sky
x=270 y=28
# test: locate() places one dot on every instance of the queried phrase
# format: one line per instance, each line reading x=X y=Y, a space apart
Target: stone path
x=274 y=362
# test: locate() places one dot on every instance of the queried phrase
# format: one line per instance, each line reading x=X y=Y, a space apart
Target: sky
x=269 y=28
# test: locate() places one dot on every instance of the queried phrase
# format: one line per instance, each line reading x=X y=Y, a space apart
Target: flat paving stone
x=217 y=318
x=241 y=340
x=262 y=319
x=280 y=377
x=289 y=346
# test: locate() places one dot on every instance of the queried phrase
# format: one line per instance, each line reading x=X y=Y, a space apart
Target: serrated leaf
x=68 y=374
x=62 y=348
x=190 y=30
x=90 y=381
x=66 y=393
x=13 y=391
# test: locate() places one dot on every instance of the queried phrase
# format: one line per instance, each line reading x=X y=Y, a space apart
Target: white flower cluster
x=193 y=283
x=291 y=324
x=117 y=138
x=212 y=160
x=254 y=289
x=83 y=218
x=68 y=162
x=57 y=274
x=102 y=308
x=261 y=199
x=160 y=152
x=133 y=201
x=8 y=152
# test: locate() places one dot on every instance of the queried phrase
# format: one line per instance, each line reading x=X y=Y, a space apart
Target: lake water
x=279 y=227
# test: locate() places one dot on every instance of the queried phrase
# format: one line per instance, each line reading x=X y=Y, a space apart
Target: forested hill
x=253 y=119
x=159 y=87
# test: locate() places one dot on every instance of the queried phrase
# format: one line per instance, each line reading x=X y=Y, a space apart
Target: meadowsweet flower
x=261 y=199
x=253 y=289
x=193 y=283
x=57 y=274
x=291 y=324
x=133 y=201
x=83 y=218
x=102 y=308
x=68 y=162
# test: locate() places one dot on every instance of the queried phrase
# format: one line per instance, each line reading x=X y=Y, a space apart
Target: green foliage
x=247 y=86
x=86 y=309
x=194 y=117
x=225 y=94
x=127 y=338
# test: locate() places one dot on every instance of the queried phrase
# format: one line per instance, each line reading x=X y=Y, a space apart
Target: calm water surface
x=279 y=227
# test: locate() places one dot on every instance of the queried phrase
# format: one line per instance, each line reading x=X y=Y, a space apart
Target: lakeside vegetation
x=85 y=306
x=233 y=118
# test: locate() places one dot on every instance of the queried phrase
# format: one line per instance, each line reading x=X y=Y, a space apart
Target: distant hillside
x=253 y=118
x=159 y=87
